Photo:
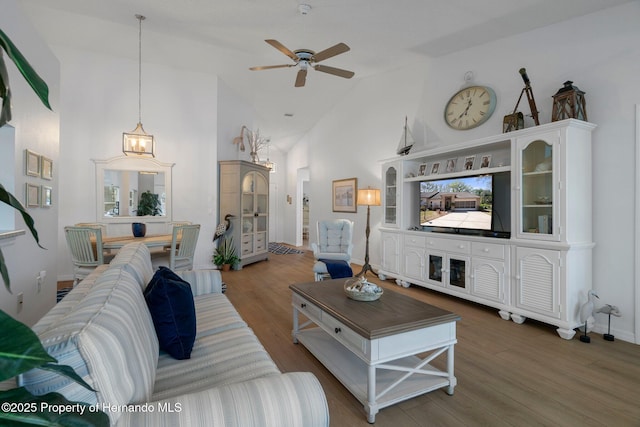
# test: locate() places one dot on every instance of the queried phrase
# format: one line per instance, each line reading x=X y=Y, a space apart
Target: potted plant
x=149 y=204
x=20 y=348
x=225 y=255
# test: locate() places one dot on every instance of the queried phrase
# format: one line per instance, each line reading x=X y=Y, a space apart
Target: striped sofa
x=103 y=329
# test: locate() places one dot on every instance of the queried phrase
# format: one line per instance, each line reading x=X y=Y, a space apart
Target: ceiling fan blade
x=301 y=78
x=282 y=48
x=335 y=71
x=268 y=67
x=332 y=51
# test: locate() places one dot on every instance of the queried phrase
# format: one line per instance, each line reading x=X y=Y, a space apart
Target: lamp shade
x=369 y=197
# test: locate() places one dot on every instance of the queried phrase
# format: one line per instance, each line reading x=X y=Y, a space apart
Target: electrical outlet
x=20 y=300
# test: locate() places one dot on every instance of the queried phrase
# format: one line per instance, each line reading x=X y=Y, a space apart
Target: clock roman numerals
x=470 y=107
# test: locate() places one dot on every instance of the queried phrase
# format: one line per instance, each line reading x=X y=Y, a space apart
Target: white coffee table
x=381 y=350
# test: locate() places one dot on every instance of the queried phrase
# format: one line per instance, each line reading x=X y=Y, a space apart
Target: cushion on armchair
x=334 y=240
x=170 y=302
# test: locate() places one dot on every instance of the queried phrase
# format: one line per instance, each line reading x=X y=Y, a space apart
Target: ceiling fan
x=306 y=58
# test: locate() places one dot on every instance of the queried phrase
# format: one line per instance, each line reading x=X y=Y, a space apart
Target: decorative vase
x=139 y=229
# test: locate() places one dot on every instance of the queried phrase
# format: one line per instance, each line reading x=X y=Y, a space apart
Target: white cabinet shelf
x=541 y=269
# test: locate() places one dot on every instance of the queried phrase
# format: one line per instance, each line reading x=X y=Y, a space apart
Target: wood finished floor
x=508 y=374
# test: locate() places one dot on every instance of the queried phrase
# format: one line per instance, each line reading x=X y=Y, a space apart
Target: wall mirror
x=121 y=180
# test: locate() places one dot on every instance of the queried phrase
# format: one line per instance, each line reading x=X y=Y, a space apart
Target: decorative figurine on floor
x=586 y=315
x=223 y=227
x=610 y=310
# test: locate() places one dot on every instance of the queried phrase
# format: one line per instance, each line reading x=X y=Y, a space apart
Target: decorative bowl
x=358 y=289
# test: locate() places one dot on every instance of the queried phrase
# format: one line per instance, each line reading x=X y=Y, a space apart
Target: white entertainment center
x=538 y=264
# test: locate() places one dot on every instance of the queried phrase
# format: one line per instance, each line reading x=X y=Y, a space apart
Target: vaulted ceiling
x=226 y=37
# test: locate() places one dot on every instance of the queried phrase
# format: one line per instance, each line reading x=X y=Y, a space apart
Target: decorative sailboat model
x=406 y=142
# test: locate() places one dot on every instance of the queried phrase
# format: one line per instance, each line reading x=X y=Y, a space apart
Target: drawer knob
x=337 y=330
x=303 y=305
x=460 y=246
x=485 y=250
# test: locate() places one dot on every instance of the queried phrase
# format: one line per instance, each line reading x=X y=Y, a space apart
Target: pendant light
x=138 y=142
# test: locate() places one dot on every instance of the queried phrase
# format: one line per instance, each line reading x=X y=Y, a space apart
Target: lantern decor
x=569 y=103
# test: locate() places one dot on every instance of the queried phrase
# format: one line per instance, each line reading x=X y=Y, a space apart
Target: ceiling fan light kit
x=305 y=58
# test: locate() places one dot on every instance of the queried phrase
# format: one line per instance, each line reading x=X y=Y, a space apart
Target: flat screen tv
x=473 y=205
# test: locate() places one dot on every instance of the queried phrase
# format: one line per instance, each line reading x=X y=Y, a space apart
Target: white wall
x=233 y=113
x=37 y=129
x=99 y=102
x=600 y=53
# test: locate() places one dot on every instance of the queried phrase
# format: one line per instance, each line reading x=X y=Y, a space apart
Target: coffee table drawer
x=346 y=336
x=307 y=308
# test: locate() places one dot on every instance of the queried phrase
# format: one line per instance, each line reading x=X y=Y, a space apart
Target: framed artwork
x=422 y=170
x=32 y=163
x=32 y=196
x=468 y=162
x=45 y=196
x=485 y=161
x=435 y=168
x=344 y=193
x=451 y=165
x=46 y=168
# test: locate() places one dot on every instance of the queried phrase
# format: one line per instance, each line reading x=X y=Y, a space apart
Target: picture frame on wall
x=31 y=163
x=45 y=196
x=344 y=193
x=46 y=168
x=32 y=195
x=422 y=170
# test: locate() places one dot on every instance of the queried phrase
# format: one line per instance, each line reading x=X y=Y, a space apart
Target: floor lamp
x=368 y=197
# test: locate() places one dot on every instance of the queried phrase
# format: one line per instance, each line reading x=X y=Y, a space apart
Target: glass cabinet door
x=537 y=190
x=255 y=210
x=390 y=196
x=435 y=268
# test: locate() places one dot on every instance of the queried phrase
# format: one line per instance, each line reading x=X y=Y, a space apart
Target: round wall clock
x=470 y=107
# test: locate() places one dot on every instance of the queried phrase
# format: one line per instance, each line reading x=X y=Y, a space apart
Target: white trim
x=637 y=233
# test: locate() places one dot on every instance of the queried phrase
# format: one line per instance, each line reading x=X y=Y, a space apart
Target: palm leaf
x=20 y=348
x=79 y=417
x=5 y=93
x=35 y=81
x=10 y=200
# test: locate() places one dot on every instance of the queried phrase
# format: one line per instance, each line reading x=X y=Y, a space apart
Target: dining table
x=151 y=241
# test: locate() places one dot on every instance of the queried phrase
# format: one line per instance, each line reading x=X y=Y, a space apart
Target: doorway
x=303 y=207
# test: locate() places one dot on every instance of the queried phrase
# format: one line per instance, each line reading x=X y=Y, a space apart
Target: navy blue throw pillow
x=173 y=311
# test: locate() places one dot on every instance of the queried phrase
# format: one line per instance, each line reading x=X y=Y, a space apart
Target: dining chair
x=87 y=253
x=334 y=243
x=183 y=248
x=101 y=226
x=174 y=223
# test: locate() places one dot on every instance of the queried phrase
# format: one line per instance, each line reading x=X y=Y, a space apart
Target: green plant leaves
x=46 y=411
x=35 y=81
x=20 y=348
x=10 y=200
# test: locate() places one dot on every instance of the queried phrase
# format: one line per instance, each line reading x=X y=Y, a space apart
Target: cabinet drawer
x=418 y=241
x=311 y=311
x=488 y=250
x=346 y=336
x=449 y=245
